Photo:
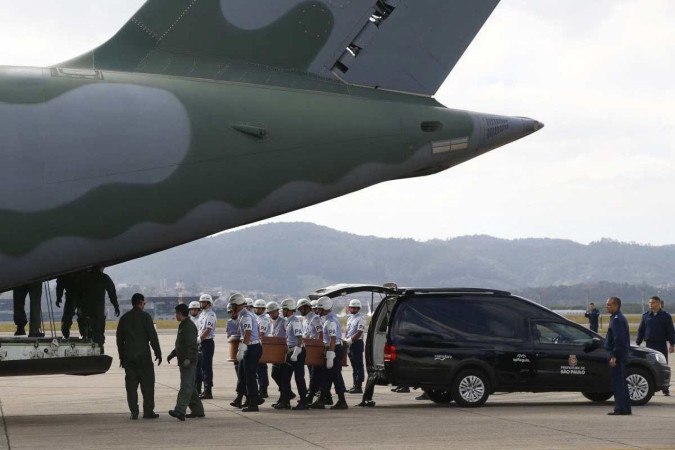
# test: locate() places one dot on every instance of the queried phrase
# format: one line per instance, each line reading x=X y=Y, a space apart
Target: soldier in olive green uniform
x=95 y=284
x=134 y=331
x=71 y=285
x=186 y=351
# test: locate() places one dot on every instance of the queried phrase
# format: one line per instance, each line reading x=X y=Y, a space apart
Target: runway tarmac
x=91 y=412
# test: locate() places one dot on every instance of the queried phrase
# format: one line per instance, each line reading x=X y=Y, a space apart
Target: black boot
x=237 y=401
x=341 y=403
x=327 y=398
x=253 y=405
x=207 y=394
x=357 y=389
x=20 y=330
x=319 y=403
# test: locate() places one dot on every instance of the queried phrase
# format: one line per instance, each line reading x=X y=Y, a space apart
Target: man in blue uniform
x=656 y=329
x=332 y=371
x=265 y=328
x=311 y=329
x=617 y=345
x=295 y=358
x=593 y=315
x=207 y=332
x=195 y=316
x=248 y=354
x=356 y=326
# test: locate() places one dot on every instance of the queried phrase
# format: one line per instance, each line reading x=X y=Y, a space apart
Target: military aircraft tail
x=402 y=45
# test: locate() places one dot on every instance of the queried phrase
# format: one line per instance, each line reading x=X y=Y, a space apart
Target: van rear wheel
x=597 y=396
x=440 y=396
x=470 y=388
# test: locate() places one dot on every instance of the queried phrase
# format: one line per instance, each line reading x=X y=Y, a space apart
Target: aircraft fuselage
x=101 y=167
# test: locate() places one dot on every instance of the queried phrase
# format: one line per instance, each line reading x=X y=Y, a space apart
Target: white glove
x=347 y=341
x=296 y=353
x=199 y=339
x=240 y=352
x=186 y=363
x=330 y=356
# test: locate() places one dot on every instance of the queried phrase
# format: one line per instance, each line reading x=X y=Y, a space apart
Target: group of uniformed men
x=250 y=321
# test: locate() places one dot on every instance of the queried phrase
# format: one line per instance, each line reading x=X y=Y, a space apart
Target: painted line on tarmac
x=4 y=424
x=520 y=422
x=249 y=417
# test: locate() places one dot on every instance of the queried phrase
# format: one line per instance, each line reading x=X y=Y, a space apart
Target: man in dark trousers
x=71 y=285
x=95 y=284
x=34 y=292
x=617 y=345
x=593 y=315
x=134 y=331
x=656 y=329
x=186 y=351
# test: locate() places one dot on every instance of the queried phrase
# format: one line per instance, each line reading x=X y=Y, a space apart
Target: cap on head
x=325 y=303
x=249 y=301
x=206 y=298
x=289 y=304
x=237 y=299
x=183 y=309
x=354 y=303
x=303 y=302
x=272 y=306
x=260 y=303
x=194 y=305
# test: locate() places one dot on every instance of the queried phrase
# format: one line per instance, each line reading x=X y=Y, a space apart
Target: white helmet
x=260 y=303
x=303 y=302
x=354 y=303
x=194 y=305
x=237 y=299
x=272 y=306
x=249 y=301
x=325 y=303
x=206 y=298
x=314 y=303
x=288 y=303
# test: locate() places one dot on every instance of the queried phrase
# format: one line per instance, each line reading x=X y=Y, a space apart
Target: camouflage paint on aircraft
x=192 y=120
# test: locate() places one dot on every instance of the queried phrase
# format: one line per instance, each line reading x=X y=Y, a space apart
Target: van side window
x=556 y=333
x=431 y=319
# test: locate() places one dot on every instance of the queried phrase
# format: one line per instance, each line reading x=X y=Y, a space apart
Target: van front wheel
x=470 y=388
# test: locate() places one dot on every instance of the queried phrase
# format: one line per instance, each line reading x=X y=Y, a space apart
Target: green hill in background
x=296 y=258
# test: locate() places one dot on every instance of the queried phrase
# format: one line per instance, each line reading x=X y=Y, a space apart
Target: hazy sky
x=598 y=73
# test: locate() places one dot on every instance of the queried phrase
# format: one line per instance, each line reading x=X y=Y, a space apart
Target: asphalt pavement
x=91 y=412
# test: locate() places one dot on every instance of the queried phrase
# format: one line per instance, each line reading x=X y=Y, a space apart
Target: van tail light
x=389 y=353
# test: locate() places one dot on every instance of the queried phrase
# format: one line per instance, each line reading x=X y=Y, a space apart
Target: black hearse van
x=464 y=344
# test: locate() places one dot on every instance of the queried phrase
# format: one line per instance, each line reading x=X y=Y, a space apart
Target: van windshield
x=442 y=319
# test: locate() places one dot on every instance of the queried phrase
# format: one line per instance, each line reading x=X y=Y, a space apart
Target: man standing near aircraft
x=617 y=344
x=207 y=332
x=265 y=328
x=311 y=329
x=295 y=358
x=134 y=332
x=71 y=284
x=248 y=355
x=186 y=351
x=195 y=313
x=34 y=292
x=332 y=371
x=656 y=329
x=95 y=284
x=593 y=315
x=356 y=326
